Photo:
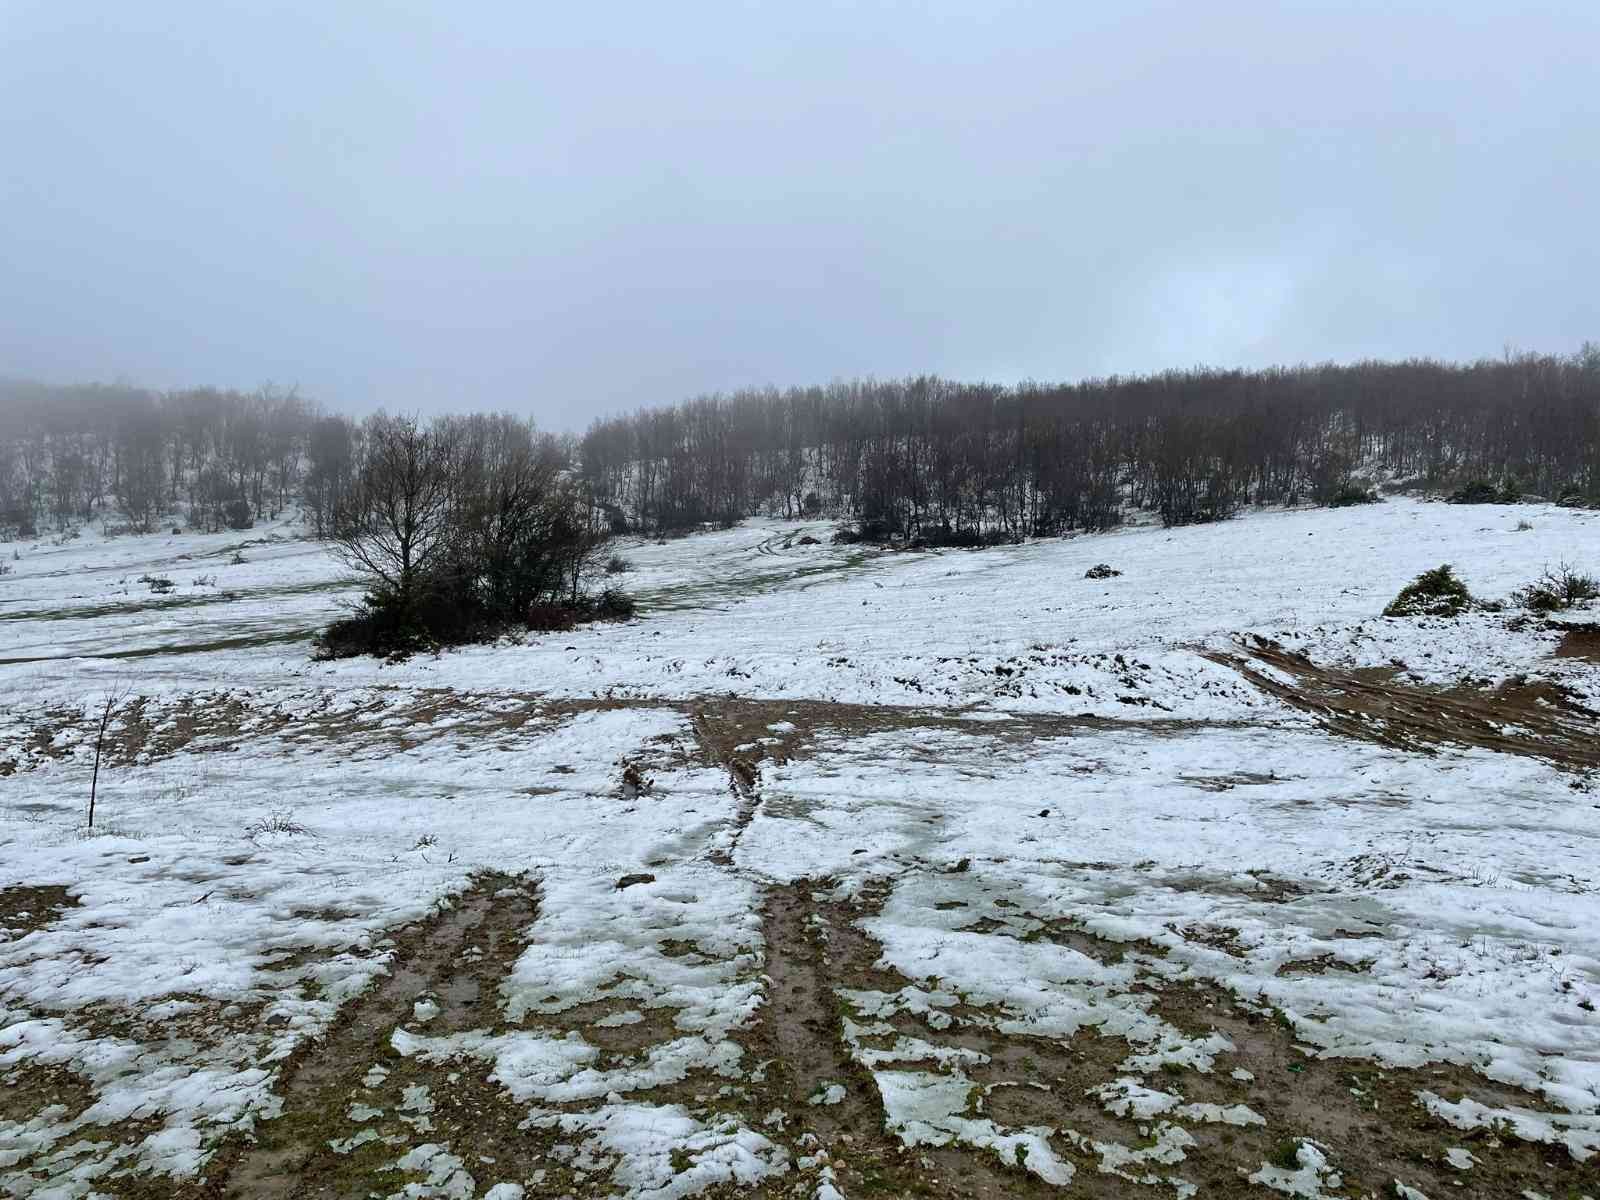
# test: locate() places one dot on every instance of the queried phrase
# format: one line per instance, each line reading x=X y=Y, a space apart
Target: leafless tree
x=395 y=522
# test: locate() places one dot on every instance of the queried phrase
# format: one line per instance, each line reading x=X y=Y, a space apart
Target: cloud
x=574 y=211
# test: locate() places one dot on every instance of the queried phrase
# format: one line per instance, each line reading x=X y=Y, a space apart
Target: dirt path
x=1535 y=720
x=453 y=962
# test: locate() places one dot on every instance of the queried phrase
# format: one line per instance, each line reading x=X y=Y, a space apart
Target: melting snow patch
x=1221 y=1114
x=1579 y=1133
x=637 y=1142
x=444 y=1174
x=928 y=1110
x=1308 y=1178
x=829 y=1093
x=346 y=1145
x=1128 y=1097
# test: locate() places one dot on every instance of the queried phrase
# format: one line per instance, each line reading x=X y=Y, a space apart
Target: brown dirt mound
x=1537 y=720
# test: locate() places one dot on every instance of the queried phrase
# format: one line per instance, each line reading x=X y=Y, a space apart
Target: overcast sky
x=573 y=209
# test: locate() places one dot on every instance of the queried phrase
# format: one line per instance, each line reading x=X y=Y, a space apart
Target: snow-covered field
x=837 y=872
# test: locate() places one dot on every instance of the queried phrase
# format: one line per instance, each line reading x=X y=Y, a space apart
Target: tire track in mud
x=836 y=1120
x=718 y=743
x=456 y=959
x=1533 y=720
x=1371 y=1120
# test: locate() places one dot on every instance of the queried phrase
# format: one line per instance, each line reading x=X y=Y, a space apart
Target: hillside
x=839 y=871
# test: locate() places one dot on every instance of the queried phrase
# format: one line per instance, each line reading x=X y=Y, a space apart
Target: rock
x=628 y=881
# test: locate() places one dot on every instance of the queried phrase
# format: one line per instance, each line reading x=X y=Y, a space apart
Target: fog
x=575 y=210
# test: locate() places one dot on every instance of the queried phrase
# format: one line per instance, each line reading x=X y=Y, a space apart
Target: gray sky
x=572 y=209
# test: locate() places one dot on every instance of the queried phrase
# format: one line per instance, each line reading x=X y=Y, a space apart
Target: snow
x=251 y=862
x=1312 y=1176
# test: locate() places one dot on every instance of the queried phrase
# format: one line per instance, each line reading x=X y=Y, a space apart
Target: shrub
x=17 y=522
x=237 y=514
x=466 y=529
x=279 y=821
x=551 y=618
x=1481 y=491
x=1352 y=494
x=617 y=565
x=1101 y=571
x=378 y=626
x=876 y=530
x=1557 y=589
x=614 y=605
x=1523 y=526
x=160 y=585
x=1435 y=593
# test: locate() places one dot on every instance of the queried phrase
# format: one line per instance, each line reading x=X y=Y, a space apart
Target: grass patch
x=1558 y=588
x=1435 y=593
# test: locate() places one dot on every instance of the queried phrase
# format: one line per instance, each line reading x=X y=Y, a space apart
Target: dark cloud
x=573 y=209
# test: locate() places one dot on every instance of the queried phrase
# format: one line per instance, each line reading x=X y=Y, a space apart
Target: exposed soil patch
x=1535 y=720
x=1369 y=1118
x=452 y=963
x=1580 y=641
x=814 y=947
x=719 y=743
x=26 y=908
x=739 y=735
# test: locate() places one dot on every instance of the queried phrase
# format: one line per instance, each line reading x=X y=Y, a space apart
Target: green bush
x=237 y=514
x=1435 y=593
x=1352 y=494
x=1557 y=589
x=1481 y=491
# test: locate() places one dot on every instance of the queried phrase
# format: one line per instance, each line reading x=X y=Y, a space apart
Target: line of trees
x=929 y=458
x=214 y=459
x=913 y=458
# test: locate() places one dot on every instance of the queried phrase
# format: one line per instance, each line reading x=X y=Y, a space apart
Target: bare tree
x=395 y=521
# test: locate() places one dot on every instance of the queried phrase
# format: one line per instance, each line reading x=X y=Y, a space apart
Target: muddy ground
x=352 y=1104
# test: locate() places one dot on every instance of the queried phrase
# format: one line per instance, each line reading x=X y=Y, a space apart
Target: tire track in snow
x=454 y=960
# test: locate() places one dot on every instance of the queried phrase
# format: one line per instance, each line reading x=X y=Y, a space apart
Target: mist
x=574 y=213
